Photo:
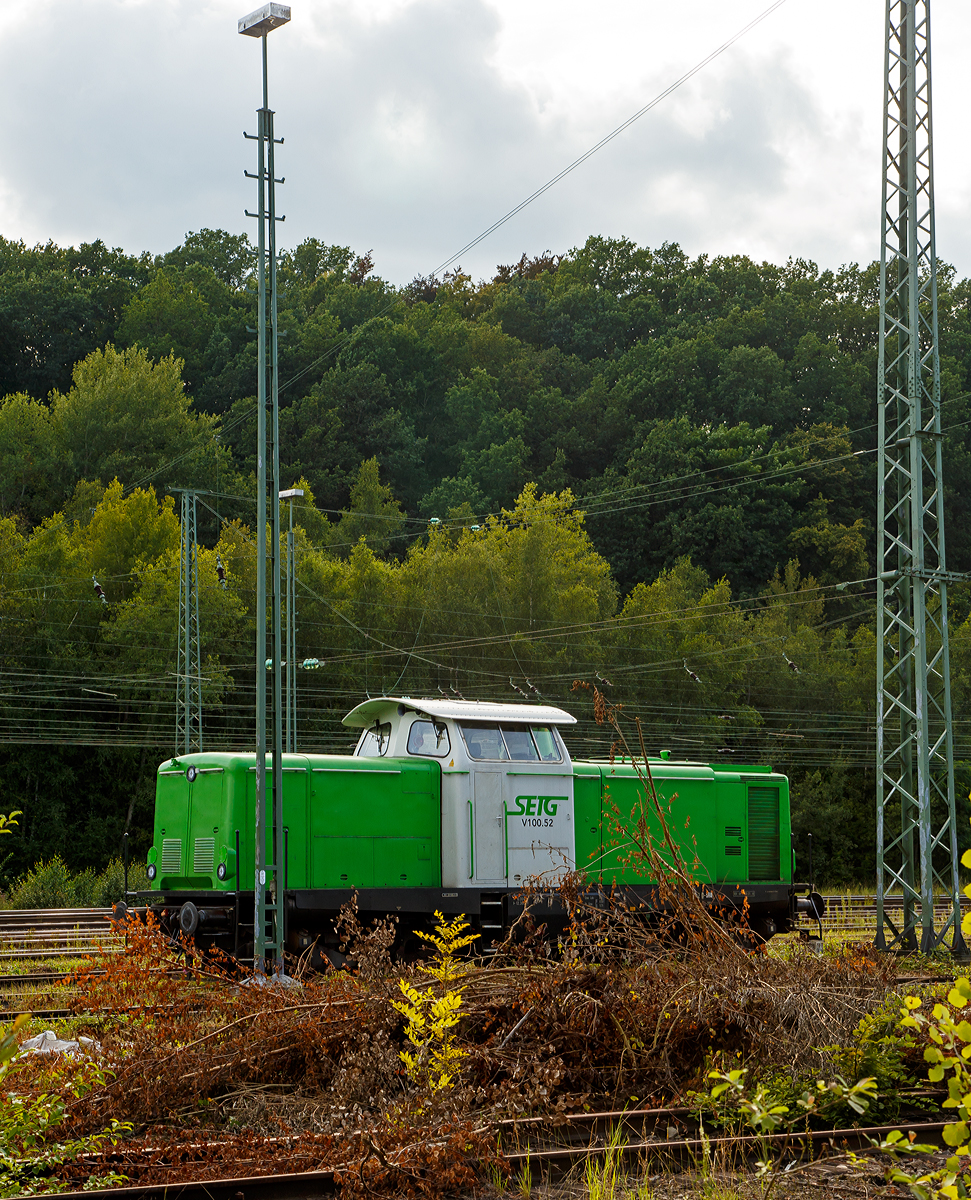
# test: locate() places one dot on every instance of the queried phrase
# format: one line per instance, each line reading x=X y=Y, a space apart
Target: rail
x=539 y=1161
x=846 y=912
x=42 y=934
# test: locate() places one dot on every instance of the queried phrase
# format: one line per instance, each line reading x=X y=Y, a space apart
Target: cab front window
x=545 y=741
x=376 y=741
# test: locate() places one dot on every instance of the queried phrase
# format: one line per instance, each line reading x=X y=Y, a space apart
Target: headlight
x=152 y=871
x=221 y=872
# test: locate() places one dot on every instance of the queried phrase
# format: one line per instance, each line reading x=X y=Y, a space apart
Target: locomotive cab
x=507 y=783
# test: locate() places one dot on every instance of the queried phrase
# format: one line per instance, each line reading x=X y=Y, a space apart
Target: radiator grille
x=171 y=856
x=763 y=833
x=203 y=855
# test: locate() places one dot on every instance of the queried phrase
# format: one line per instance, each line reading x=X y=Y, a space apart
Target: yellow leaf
x=956 y=1134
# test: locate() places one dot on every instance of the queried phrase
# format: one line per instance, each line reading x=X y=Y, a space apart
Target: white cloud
x=411 y=125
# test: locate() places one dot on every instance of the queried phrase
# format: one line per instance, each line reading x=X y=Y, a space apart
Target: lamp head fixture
x=264 y=19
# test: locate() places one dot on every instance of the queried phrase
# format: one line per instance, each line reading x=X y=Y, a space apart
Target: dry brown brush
x=223 y=1079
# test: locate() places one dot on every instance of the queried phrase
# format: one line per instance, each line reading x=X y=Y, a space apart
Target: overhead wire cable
x=615 y=623
x=700 y=66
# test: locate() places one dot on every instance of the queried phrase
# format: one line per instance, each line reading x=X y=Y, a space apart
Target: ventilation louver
x=763 y=833
x=203 y=855
x=171 y=856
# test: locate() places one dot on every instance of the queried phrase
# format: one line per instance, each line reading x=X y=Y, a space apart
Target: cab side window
x=428 y=739
x=484 y=741
x=545 y=741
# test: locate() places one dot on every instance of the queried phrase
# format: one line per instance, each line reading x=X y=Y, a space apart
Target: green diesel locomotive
x=452 y=806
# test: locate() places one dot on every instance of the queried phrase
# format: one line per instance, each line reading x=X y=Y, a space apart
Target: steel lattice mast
x=916 y=829
x=268 y=916
x=188 y=706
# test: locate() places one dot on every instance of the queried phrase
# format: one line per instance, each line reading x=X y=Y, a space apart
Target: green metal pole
x=259 y=915
x=273 y=487
x=268 y=931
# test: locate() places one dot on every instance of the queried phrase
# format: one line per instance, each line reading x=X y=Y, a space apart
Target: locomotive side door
x=489 y=854
x=539 y=826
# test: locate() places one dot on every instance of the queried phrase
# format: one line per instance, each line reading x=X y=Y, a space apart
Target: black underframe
x=306 y=905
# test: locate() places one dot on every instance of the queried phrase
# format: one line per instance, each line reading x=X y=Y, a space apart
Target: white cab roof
x=459 y=710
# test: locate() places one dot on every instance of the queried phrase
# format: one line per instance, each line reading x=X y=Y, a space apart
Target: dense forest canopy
x=617 y=465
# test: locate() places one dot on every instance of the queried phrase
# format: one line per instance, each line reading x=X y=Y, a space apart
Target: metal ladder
x=490 y=921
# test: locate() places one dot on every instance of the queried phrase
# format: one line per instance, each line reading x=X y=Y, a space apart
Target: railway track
x=858 y=913
x=590 y=1132
x=60 y=936
x=47 y=929
x=27 y=993
x=657 y=1133
x=39 y=933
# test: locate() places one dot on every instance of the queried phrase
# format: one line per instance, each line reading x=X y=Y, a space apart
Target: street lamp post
x=268 y=914
x=291 y=723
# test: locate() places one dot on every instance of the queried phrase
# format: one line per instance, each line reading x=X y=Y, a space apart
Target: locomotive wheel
x=409 y=948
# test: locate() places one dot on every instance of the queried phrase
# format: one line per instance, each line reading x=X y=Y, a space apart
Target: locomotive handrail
x=542 y=774
x=357 y=770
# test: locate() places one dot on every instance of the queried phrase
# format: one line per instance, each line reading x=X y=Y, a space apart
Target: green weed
x=601 y=1173
x=54 y=885
x=431 y=1020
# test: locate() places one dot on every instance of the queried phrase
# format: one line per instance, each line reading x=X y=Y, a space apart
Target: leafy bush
x=52 y=885
x=435 y=1059
x=28 y=1154
x=110 y=884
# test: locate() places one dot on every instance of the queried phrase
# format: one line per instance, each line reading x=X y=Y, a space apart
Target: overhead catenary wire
x=620 y=621
x=700 y=66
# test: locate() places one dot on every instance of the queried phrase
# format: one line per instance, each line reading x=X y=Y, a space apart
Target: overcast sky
x=412 y=125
